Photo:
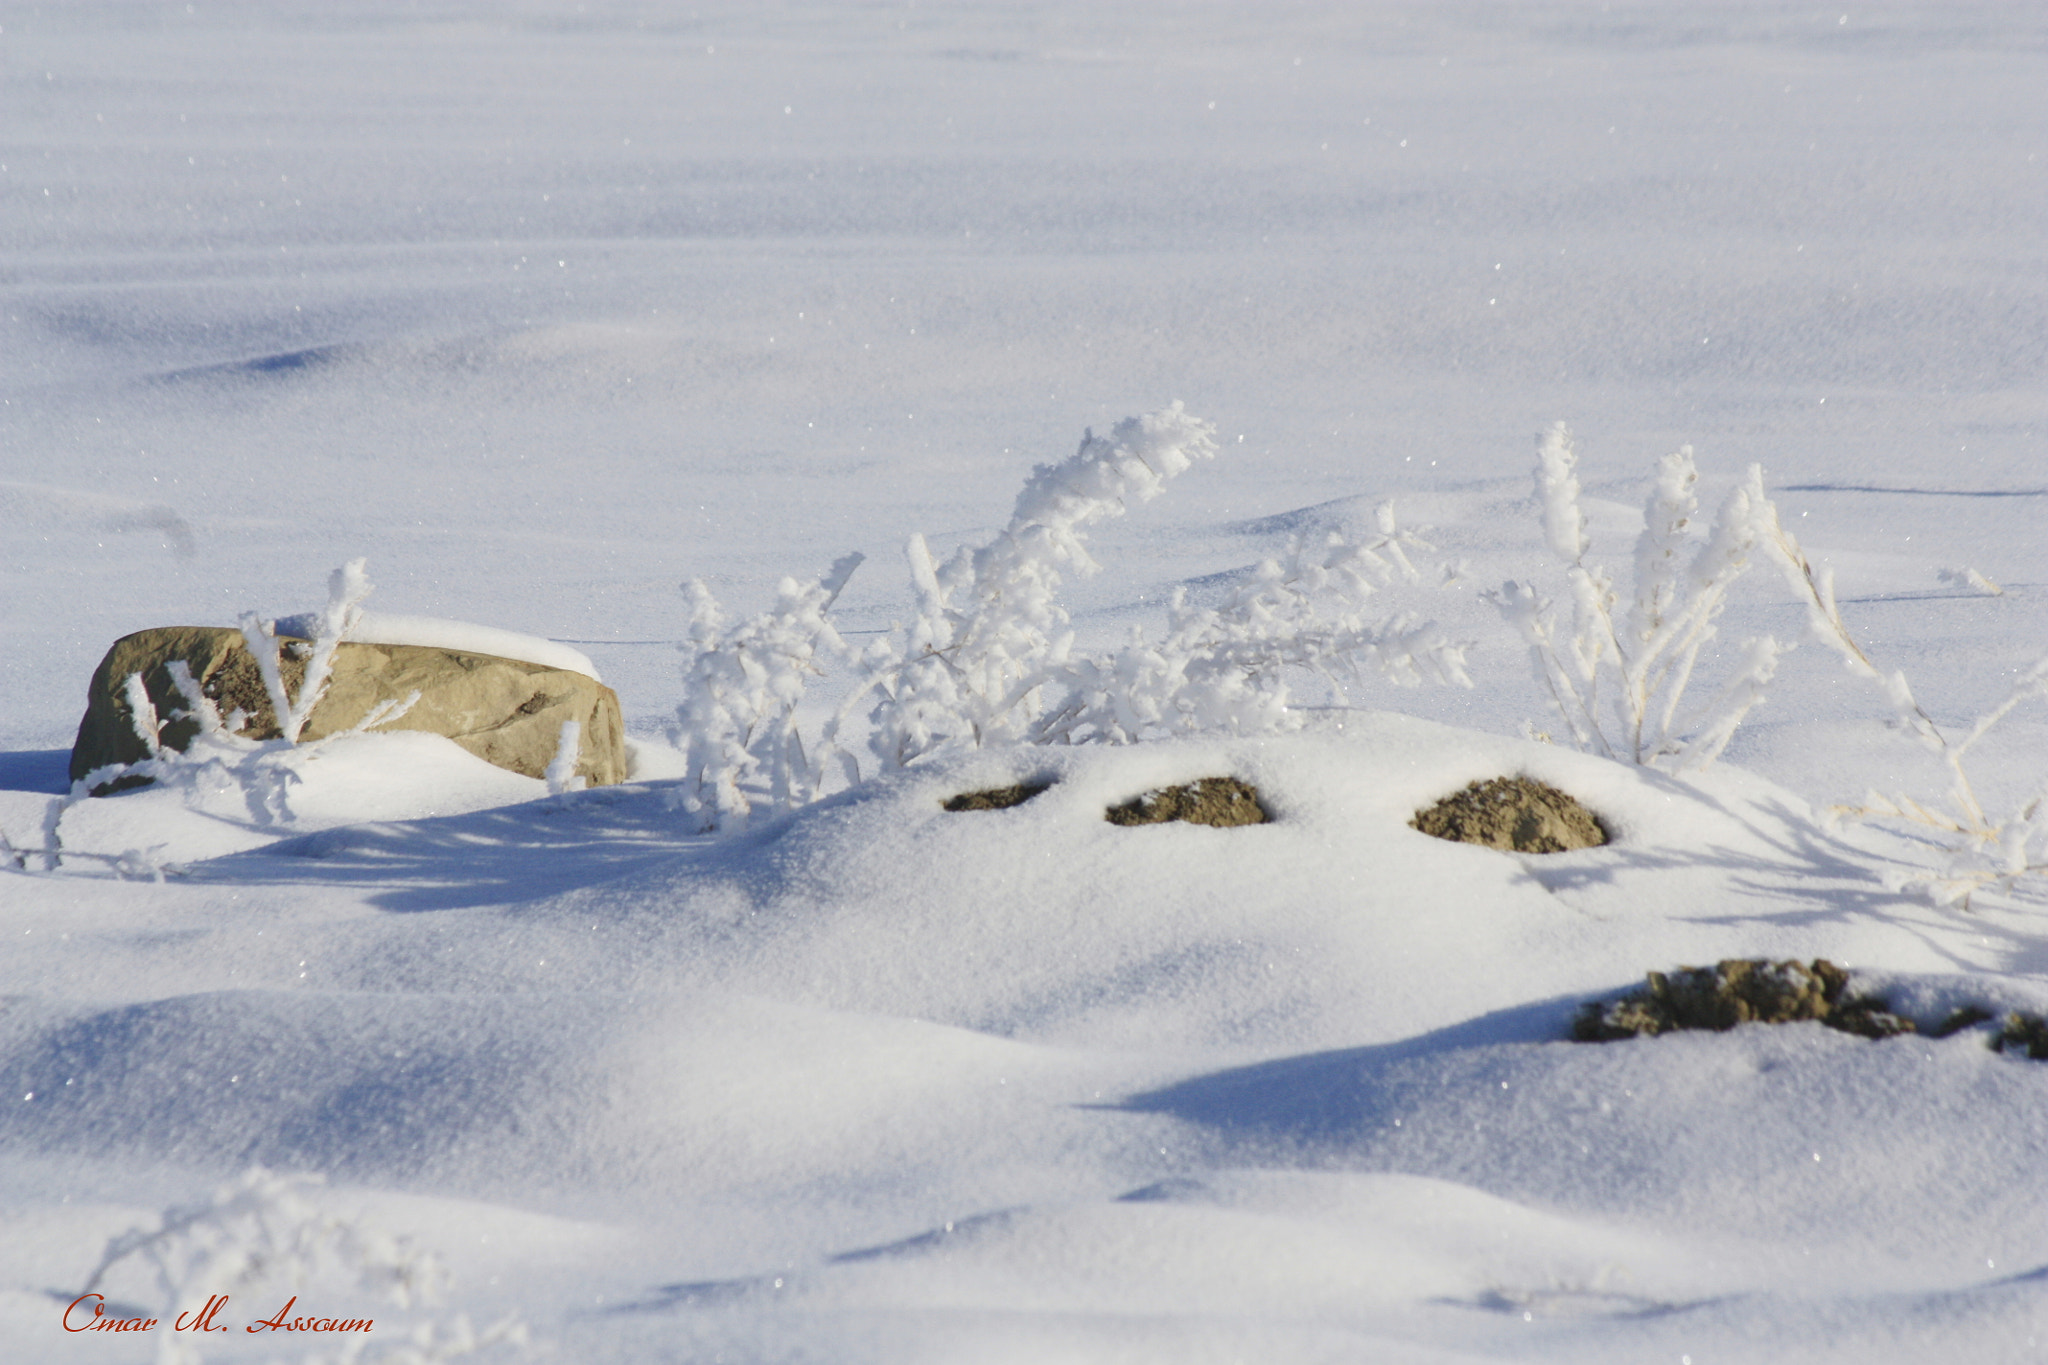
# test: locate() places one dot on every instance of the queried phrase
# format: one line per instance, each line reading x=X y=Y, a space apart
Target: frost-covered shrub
x=990 y=635
x=1223 y=668
x=1984 y=851
x=987 y=657
x=737 y=722
x=1618 y=675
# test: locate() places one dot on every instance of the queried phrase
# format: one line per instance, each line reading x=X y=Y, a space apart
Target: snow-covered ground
x=545 y=308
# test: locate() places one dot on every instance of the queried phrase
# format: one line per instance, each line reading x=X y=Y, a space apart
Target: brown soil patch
x=1223 y=801
x=1514 y=814
x=997 y=798
x=1738 y=991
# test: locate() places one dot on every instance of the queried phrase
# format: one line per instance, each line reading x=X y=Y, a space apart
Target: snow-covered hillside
x=544 y=309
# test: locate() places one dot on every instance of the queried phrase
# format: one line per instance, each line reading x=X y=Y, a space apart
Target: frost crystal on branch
x=1618 y=679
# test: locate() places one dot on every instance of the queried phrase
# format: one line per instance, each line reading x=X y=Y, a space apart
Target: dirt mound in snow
x=1516 y=814
x=1221 y=801
x=1738 y=991
x=997 y=798
x=2026 y=1033
x=2017 y=1032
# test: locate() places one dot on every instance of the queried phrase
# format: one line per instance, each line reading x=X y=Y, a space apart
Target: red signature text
x=98 y=1321
x=88 y=1313
x=282 y=1323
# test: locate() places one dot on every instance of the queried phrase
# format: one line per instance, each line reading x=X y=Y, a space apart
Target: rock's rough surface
x=1221 y=801
x=505 y=711
x=107 y=733
x=1515 y=814
x=1738 y=991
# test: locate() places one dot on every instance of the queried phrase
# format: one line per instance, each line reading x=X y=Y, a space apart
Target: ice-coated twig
x=347 y=586
x=1963 y=576
x=261 y=638
x=142 y=714
x=561 y=773
x=1223 y=668
x=1557 y=494
x=199 y=707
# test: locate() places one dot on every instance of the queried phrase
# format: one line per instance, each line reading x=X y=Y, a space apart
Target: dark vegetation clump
x=997 y=798
x=1969 y=1016
x=2017 y=1032
x=2023 y=1032
x=1515 y=814
x=1221 y=801
x=1738 y=991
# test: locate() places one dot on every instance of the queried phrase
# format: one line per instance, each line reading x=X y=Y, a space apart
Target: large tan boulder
x=505 y=711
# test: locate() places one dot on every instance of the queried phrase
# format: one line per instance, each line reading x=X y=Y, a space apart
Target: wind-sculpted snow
x=879 y=1058
x=1700 y=1130
x=1046 y=921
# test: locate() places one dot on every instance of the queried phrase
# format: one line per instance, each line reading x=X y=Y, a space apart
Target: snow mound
x=205 y=809
x=383 y=628
x=875 y=1062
